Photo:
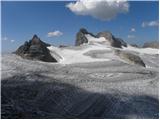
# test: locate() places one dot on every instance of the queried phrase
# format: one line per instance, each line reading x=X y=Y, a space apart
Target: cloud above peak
x=131 y=36
x=100 y=9
x=7 y=39
x=55 y=33
x=133 y=30
x=12 y=41
x=150 y=24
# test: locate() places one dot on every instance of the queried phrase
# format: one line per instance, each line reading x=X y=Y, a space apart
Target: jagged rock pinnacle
x=34 y=36
x=35 y=49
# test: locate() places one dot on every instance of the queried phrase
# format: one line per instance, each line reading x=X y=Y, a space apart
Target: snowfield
x=96 y=40
x=109 y=89
x=142 y=50
x=69 y=56
x=72 y=55
x=89 y=81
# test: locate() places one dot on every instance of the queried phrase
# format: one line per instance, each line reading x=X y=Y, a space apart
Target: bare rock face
x=115 y=42
x=80 y=37
x=135 y=45
x=153 y=44
x=123 y=43
x=130 y=58
x=35 y=49
x=62 y=46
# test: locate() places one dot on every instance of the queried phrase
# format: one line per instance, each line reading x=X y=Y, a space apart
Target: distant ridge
x=152 y=44
x=114 y=42
x=88 y=48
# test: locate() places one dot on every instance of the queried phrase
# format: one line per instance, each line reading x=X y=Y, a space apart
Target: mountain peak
x=35 y=36
x=83 y=30
x=35 y=49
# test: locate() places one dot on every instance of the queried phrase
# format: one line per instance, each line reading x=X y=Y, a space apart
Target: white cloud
x=100 y=9
x=55 y=33
x=7 y=39
x=150 y=24
x=12 y=41
x=133 y=30
x=131 y=36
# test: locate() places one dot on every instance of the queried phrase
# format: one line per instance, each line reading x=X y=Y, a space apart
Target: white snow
x=95 y=40
x=69 y=56
x=72 y=55
x=142 y=50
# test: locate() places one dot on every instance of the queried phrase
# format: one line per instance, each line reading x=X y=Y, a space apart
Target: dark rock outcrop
x=153 y=44
x=123 y=43
x=62 y=46
x=130 y=58
x=81 y=38
x=35 y=49
x=135 y=45
x=115 y=42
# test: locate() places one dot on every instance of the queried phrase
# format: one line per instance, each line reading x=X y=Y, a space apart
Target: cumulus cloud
x=150 y=24
x=131 y=36
x=100 y=9
x=133 y=30
x=7 y=39
x=12 y=41
x=55 y=33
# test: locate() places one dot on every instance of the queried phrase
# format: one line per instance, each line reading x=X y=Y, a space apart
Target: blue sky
x=21 y=20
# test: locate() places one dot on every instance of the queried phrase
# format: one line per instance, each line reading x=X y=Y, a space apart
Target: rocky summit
x=35 y=49
x=80 y=37
x=114 y=42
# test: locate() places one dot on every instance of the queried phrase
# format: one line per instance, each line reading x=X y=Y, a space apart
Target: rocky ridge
x=114 y=42
x=35 y=49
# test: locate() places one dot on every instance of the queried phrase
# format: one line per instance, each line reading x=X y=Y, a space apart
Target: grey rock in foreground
x=58 y=100
x=35 y=49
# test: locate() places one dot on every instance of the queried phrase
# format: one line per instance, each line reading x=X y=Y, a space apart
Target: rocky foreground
x=34 y=89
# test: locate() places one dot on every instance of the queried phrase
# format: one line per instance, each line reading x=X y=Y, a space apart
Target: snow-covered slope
x=93 y=40
x=69 y=55
x=150 y=51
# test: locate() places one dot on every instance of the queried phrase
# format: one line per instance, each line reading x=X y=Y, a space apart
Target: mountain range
x=87 y=47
